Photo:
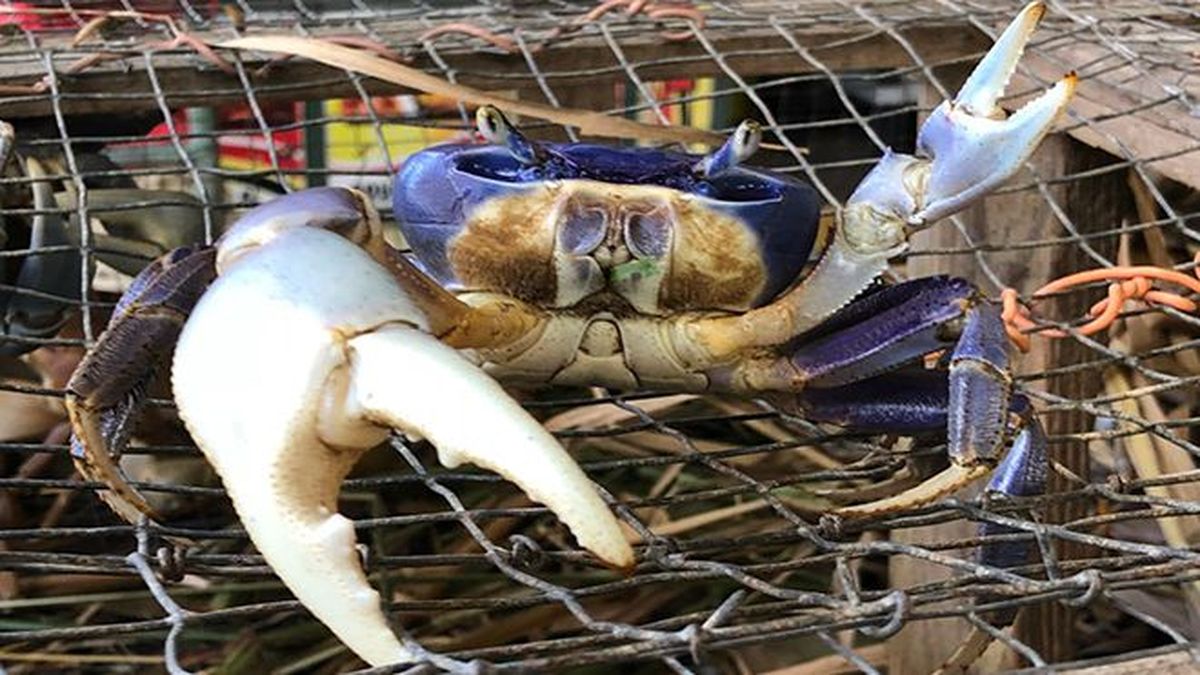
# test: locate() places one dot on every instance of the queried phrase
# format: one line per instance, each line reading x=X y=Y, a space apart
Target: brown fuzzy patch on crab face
x=716 y=262
x=610 y=248
x=507 y=247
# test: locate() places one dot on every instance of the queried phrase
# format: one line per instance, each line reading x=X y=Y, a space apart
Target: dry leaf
x=589 y=123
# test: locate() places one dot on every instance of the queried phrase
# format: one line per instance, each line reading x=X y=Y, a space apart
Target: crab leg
x=915 y=402
x=1022 y=473
x=493 y=324
x=885 y=330
x=107 y=387
x=303 y=355
x=966 y=149
x=875 y=333
x=980 y=389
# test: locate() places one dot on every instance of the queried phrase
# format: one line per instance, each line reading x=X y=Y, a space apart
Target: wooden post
x=1092 y=204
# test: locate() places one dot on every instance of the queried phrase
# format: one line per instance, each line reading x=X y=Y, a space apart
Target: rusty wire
x=786 y=575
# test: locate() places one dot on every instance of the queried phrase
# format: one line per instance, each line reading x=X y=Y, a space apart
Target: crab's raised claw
x=973 y=146
x=305 y=353
x=107 y=387
x=966 y=148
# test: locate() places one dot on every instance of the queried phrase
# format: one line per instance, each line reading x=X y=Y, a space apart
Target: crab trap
x=826 y=359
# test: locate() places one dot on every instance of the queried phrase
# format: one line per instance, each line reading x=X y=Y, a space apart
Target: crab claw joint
x=303 y=354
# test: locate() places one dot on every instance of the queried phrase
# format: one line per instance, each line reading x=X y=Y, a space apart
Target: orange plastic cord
x=492 y=38
x=631 y=7
x=1129 y=283
x=652 y=10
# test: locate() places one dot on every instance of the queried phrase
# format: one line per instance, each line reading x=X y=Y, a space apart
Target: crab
x=302 y=339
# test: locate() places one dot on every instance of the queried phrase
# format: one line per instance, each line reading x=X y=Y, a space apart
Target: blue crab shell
x=766 y=224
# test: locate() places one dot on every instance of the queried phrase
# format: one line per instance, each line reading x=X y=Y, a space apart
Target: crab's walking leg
x=966 y=149
x=107 y=387
x=908 y=402
x=898 y=325
x=875 y=333
x=1022 y=473
x=917 y=402
x=980 y=390
x=303 y=355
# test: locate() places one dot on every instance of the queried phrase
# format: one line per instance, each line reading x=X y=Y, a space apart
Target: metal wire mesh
x=734 y=554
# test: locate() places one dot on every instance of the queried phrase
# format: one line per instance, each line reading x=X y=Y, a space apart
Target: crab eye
x=648 y=234
x=490 y=124
x=582 y=230
x=746 y=140
x=736 y=149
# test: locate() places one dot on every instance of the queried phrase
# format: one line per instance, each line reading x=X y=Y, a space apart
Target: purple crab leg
x=108 y=386
x=876 y=333
x=918 y=402
x=1022 y=473
x=893 y=327
x=980 y=392
x=915 y=402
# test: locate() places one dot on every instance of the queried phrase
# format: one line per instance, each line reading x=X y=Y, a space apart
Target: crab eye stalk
x=737 y=148
x=496 y=128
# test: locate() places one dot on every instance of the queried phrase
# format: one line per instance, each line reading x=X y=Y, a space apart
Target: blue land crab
x=303 y=338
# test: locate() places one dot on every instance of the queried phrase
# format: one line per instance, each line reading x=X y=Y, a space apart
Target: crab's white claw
x=298 y=359
x=973 y=147
x=990 y=76
x=966 y=149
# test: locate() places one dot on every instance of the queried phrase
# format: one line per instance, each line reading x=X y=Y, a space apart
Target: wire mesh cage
x=136 y=135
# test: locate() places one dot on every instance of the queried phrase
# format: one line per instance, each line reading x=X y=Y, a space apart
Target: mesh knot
x=171 y=563
x=901 y=605
x=661 y=551
x=1117 y=483
x=830 y=525
x=525 y=553
x=1095 y=583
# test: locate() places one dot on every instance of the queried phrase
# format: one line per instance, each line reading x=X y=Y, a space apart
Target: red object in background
x=41 y=19
x=240 y=140
x=16 y=14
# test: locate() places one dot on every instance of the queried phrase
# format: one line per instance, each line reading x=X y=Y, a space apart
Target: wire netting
x=738 y=570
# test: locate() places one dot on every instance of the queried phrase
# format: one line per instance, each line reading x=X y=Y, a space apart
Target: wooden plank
x=755 y=52
x=1166 y=135
x=1121 y=122
x=1094 y=204
x=1165 y=661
